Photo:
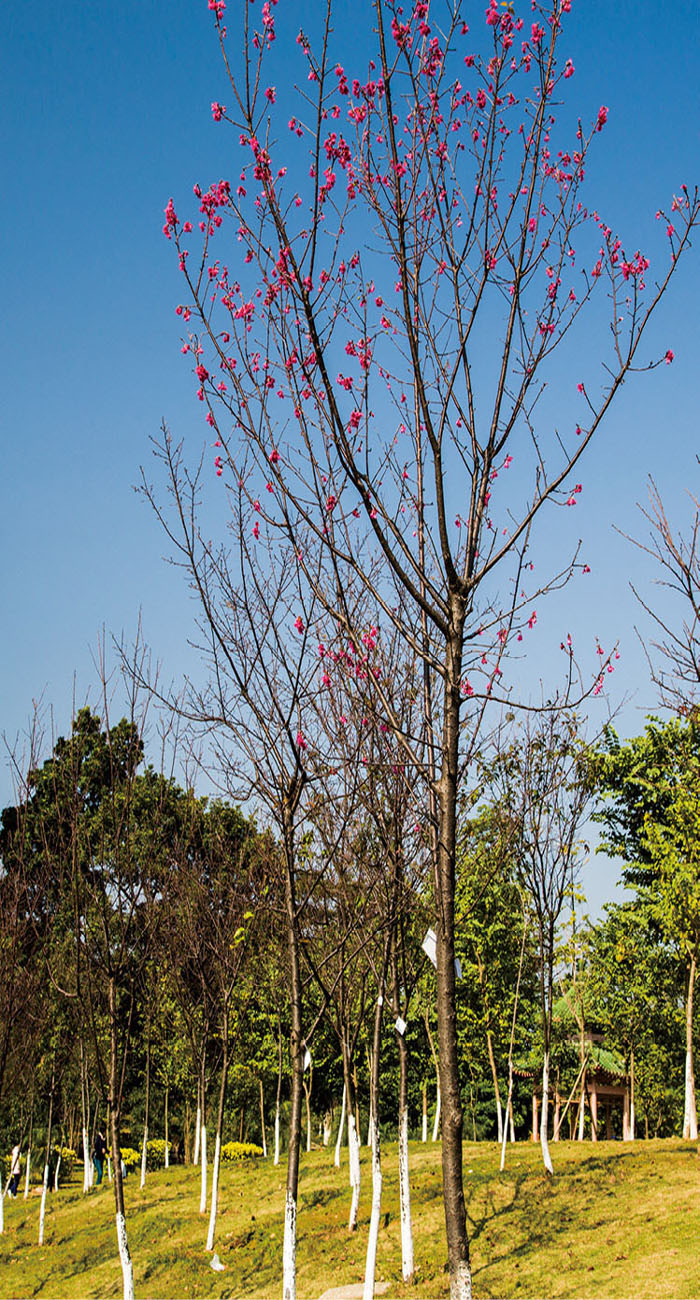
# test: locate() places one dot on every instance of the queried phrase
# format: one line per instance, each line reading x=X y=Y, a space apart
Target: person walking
x=98 y=1156
x=15 y=1160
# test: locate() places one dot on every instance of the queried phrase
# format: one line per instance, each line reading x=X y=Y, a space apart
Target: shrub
x=68 y=1159
x=131 y=1158
x=240 y=1151
x=155 y=1153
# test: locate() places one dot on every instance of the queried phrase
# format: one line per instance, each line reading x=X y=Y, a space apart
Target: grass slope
x=614 y=1222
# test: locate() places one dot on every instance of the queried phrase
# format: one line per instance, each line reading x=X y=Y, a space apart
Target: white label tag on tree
x=380 y=1001
x=401 y=1026
x=458 y=968
x=307 y=1059
x=429 y=946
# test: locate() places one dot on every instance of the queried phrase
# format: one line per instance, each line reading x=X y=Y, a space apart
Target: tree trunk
x=452 y=1118
x=424 y=1129
x=632 y=1118
x=436 y=1122
x=407 y=1258
x=373 y=1235
x=279 y=1092
x=165 y=1127
x=203 y=1139
x=29 y=1155
x=217 y=1145
x=297 y=1062
x=197 y=1124
x=341 y=1125
x=307 y=1096
x=353 y=1143
x=494 y=1076
x=58 y=1163
x=690 y=1115
x=115 y=1118
x=85 y=1118
x=45 y=1184
x=544 y=1121
x=262 y=1118
x=582 y=1107
x=509 y=1113
x=144 y=1148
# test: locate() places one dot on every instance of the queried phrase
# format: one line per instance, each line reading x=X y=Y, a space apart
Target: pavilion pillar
x=557 y=1115
x=608 y=1121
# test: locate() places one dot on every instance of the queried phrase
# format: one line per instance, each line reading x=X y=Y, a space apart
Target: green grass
x=614 y=1222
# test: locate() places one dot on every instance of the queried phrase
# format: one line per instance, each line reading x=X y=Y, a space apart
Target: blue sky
x=105 y=115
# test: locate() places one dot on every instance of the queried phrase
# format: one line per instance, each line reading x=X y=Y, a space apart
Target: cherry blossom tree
x=379 y=307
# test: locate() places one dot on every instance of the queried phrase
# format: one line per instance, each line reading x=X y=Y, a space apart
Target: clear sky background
x=105 y=114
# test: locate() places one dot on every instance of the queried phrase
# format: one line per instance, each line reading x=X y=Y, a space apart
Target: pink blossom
x=569 y=68
x=274 y=456
x=602 y=117
x=669 y=357
x=299 y=623
x=301 y=741
x=217 y=111
x=170 y=219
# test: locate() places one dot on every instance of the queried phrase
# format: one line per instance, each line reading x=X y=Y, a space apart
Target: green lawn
x=614 y=1222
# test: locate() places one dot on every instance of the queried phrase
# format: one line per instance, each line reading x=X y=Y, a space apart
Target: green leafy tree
x=651 y=785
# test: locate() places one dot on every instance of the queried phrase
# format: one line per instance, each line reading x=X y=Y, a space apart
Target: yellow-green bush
x=68 y=1159
x=131 y=1158
x=155 y=1153
x=240 y=1151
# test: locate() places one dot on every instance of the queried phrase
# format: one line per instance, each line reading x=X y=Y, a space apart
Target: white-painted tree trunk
x=424 y=1130
x=339 y=1139
x=436 y=1125
x=167 y=1142
x=355 y=1175
x=144 y=1155
x=544 y=1139
x=511 y=1121
x=262 y=1119
x=277 y=1135
x=582 y=1109
x=407 y=1262
x=125 y=1258
x=87 y=1162
x=2 y=1208
x=214 y=1193
x=56 y=1173
x=632 y=1129
x=370 y=1129
x=690 y=1114
x=203 y=1157
x=289 y=1250
x=109 y=1167
x=197 y=1135
x=509 y=1115
x=42 y=1208
x=373 y=1237
x=27 y=1172
x=461 y=1282
x=327 y=1128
